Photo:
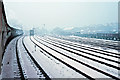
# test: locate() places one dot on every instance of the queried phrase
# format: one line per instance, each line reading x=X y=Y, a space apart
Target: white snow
x=30 y=70
x=84 y=45
x=52 y=67
x=87 y=61
x=75 y=64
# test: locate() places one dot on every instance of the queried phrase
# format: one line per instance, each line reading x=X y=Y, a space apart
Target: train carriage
x=6 y=32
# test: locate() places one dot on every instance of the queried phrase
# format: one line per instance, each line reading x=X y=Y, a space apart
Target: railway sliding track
x=108 y=53
x=49 y=57
x=102 y=43
x=28 y=67
x=64 y=50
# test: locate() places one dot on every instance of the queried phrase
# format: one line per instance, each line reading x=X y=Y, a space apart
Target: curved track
x=48 y=57
x=18 y=61
x=26 y=58
x=62 y=49
x=106 y=44
x=116 y=55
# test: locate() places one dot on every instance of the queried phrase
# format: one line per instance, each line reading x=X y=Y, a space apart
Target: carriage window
x=62 y=39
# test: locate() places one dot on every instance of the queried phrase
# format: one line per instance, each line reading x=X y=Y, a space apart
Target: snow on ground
x=93 y=40
x=98 y=54
x=75 y=64
x=10 y=67
x=84 y=60
x=87 y=61
x=75 y=43
x=52 y=67
x=29 y=68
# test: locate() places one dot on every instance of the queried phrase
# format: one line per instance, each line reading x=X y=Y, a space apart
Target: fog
x=66 y=15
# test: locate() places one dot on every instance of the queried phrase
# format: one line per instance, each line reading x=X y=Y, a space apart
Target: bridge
x=50 y=57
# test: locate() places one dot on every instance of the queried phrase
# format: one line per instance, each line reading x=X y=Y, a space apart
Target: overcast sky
x=60 y=14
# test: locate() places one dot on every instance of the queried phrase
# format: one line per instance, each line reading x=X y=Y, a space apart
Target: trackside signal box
x=31 y=32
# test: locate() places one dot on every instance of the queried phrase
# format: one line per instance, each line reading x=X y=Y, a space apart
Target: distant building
x=31 y=32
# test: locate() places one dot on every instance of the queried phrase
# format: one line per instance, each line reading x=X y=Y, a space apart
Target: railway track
x=80 y=54
x=106 y=43
x=18 y=61
x=24 y=69
x=85 y=47
x=101 y=63
x=66 y=56
x=63 y=61
x=53 y=60
x=114 y=55
x=90 y=53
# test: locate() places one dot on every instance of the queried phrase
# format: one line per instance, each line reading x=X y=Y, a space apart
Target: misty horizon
x=65 y=15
